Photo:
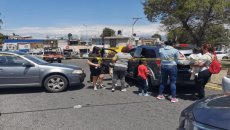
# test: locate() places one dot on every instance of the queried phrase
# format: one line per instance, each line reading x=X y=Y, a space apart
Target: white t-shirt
x=206 y=59
x=122 y=59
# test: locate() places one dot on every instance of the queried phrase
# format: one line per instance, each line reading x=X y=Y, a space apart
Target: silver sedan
x=22 y=70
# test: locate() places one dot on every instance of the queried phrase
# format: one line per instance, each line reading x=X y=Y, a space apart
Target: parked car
x=22 y=70
x=185 y=50
x=212 y=113
x=222 y=55
x=68 y=53
x=151 y=53
x=52 y=54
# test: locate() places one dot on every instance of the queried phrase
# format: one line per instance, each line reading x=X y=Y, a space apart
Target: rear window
x=149 y=53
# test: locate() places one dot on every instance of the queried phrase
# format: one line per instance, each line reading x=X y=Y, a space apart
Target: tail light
x=158 y=62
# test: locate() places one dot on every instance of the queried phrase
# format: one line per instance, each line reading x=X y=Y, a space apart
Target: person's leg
x=95 y=78
x=122 y=73
x=206 y=75
x=100 y=80
x=114 y=80
x=200 y=84
x=164 y=79
x=145 y=86
x=173 y=77
x=163 y=83
x=139 y=80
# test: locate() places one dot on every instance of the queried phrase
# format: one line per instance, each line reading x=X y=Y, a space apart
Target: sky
x=54 y=18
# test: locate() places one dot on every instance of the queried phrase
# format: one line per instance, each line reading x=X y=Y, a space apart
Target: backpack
x=215 y=66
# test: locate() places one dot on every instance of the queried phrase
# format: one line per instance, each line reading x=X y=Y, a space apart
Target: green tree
x=107 y=32
x=1 y=38
x=1 y=22
x=194 y=17
x=70 y=35
x=156 y=36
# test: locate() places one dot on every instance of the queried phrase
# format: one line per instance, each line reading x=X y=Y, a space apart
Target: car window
x=2 y=60
x=131 y=52
x=137 y=53
x=13 y=60
x=148 y=53
x=36 y=59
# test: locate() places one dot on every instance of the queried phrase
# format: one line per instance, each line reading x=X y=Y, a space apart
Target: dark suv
x=151 y=53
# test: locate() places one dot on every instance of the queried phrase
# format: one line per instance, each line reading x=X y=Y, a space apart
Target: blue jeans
x=142 y=85
x=168 y=71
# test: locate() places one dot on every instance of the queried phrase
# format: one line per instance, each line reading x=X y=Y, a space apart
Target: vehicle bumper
x=52 y=59
x=76 y=79
x=183 y=78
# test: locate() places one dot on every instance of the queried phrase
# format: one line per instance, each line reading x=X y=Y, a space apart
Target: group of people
x=200 y=62
x=116 y=66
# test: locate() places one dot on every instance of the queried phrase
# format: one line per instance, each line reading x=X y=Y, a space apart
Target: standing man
x=169 y=58
x=120 y=61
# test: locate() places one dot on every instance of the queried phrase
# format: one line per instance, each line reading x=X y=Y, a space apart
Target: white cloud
x=92 y=30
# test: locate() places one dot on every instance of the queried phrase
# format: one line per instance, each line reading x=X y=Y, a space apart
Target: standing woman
x=204 y=74
x=94 y=63
x=120 y=61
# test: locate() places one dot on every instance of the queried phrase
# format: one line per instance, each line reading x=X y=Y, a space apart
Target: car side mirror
x=27 y=64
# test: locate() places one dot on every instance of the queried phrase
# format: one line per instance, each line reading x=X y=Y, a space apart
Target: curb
x=213 y=86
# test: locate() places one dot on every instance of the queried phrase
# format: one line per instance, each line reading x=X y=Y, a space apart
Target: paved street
x=82 y=108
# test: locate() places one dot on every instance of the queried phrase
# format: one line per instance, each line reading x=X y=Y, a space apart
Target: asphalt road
x=82 y=108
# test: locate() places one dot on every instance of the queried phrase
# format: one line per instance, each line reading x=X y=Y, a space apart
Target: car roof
x=13 y=52
x=150 y=46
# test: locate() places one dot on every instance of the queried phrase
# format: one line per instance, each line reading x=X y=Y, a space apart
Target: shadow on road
x=22 y=90
x=29 y=90
x=78 y=87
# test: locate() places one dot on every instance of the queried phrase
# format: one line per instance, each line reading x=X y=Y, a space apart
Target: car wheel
x=224 y=58
x=55 y=83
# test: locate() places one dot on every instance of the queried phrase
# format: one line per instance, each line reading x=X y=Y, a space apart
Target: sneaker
x=173 y=100
x=113 y=89
x=140 y=94
x=123 y=90
x=160 y=97
x=95 y=88
x=102 y=86
x=146 y=95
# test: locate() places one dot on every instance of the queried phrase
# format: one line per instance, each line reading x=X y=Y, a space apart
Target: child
x=195 y=58
x=143 y=72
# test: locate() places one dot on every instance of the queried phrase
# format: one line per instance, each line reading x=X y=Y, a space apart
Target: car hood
x=63 y=65
x=214 y=111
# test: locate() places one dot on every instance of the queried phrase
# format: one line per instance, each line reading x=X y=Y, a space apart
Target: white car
x=221 y=55
x=185 y=50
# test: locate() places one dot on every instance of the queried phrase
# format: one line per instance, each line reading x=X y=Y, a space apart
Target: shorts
x=95 y=72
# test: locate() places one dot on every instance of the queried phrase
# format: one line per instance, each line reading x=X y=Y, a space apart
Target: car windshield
x=36 y=59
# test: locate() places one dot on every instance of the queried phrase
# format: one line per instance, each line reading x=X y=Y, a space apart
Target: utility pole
x=86 y=31
x=135 y=20
x=86 y=37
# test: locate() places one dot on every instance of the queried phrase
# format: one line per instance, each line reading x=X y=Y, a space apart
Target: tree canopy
x=195 y=20
x=1 y=38
x=156 y=36
x=107 y=32
x=1 y=22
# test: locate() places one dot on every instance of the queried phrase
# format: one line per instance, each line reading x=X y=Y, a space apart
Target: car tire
x=55 y=83
x=224 y=58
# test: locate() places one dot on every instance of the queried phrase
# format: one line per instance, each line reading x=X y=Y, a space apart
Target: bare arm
x=90 y=63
